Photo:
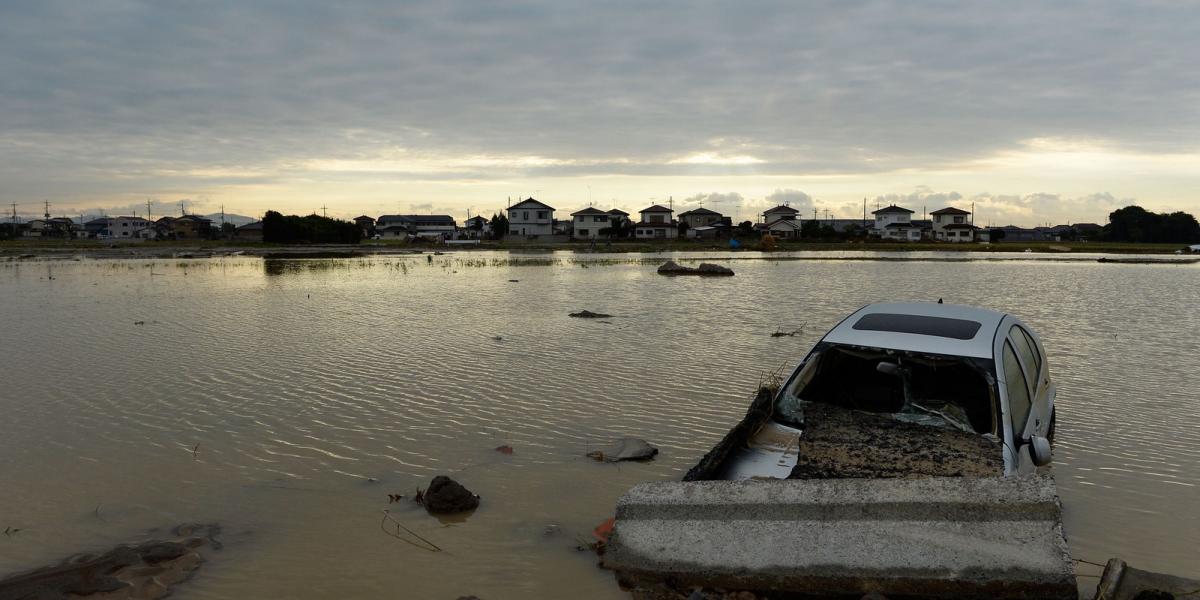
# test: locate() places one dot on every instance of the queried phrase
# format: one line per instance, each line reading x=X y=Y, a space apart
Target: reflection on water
x=286 y=399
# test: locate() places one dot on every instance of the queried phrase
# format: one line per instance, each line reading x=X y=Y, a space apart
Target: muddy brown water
x=266 y=395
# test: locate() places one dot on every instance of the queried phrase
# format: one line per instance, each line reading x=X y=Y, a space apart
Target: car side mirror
x=1039 y=450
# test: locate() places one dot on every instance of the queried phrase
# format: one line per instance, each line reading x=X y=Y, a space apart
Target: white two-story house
x=895 y=223
x=587 y=223
x=530 y=217
x=656 y=223
x=953 y=225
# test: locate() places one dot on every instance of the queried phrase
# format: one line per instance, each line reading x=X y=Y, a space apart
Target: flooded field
x=286 y=399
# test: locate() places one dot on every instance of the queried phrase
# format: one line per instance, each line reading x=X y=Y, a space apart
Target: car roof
x=926 y=327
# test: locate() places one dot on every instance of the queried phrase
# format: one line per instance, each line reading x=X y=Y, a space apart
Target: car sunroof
x=958 y=329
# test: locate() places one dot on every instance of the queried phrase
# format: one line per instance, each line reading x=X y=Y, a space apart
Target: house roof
x=257 y=225
x=781 y=209
x=700 y=211
x=477 y=218
x=656 y=208
x=530 y=203
x=364 y=218
x=891 y=209
x=589 y=211
x=950 y=210
x=617 y=211
x=196 y=218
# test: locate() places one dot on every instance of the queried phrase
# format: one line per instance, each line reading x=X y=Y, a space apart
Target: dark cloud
x=130 y=96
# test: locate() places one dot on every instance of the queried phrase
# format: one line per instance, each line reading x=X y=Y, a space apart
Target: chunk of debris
x=504 y=449
x=673 y=268
x=446 y=496
x=625 y=449
x=587 y=314
x=146 y=570
x=514 y=280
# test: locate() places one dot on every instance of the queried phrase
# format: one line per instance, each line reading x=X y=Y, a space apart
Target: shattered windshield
x=939 y=391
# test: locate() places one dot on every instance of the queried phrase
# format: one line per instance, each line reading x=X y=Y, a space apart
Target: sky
x=1032 y=112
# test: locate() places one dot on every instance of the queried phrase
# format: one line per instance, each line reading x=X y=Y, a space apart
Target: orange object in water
x=504 y=449
x=604 y=530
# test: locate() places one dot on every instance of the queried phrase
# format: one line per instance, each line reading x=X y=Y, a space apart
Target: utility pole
x=864 y=213
x=222 y=217
x=324 y=212
x=182 y=212
x=147 y=209
x=47 y=209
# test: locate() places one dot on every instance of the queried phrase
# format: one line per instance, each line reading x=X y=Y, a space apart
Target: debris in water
x=625 y=449
x=497 y=338
x=446 y=496
x=504 y=449
x=587 y=314
x=139 y=322
x=673 y=268
x=514 y=280
x=792 y=333
x=394 y=498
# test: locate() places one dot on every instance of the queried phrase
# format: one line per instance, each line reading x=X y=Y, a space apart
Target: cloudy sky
x=1036 y=112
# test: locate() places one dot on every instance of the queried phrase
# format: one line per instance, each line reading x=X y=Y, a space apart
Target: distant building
x=783 y=212
x=477 y=226
x=699 y=217
x=97 y=227
x=656 y=223
x=366 y=224
x=617 y=217
x=895 y=223
x=131 y=228
x=783 y=228
x=952 y=225
x=587 y=223
x=405 y=226
x=530 y=217
x=250 y=232
x=187 y=227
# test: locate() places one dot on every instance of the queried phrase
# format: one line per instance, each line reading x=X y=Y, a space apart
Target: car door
x=1036 y=372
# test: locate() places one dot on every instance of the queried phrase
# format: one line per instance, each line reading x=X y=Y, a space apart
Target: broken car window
x=939 y=391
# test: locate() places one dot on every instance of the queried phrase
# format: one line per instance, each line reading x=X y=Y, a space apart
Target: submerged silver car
x=961 y=368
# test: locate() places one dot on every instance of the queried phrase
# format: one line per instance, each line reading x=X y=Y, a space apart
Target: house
x=405 y=226
x=699 y=217
x=477 y=226
x=618 y=217
x=952 y=225
x=367 y=224
x=530 y=217
x=251 y=232
x=656 y=223
x=782 y=228
x=187 y=227
x=895 y=223
x=587 y=223
x=131 y=228
x=782 y=211
x=1012 y=233
x=97 y=227
x=34 y=228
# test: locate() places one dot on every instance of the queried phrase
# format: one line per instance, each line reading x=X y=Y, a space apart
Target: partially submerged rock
x=587 y=314
x=447 y=496
x=625 y=449
x=673 y=268
x=142 y=571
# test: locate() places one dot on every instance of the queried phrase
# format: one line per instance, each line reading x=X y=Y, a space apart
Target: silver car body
x=1021 y=369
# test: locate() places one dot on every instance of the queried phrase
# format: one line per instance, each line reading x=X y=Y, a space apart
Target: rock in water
x=711 y=269
x=587 y=314
x=625 y=449
x=447 y=496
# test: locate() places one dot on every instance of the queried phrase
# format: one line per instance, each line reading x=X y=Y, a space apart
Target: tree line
x=1136 y=224
x=313 y=229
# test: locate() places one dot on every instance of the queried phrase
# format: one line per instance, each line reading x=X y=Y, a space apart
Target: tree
x=683 y=227
x=1136 y=224
x=996 y=235
x=227 y=229
x=499 y=224
x=745 y=228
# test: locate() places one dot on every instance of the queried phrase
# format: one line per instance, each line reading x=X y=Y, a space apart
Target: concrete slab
x=929 y=538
